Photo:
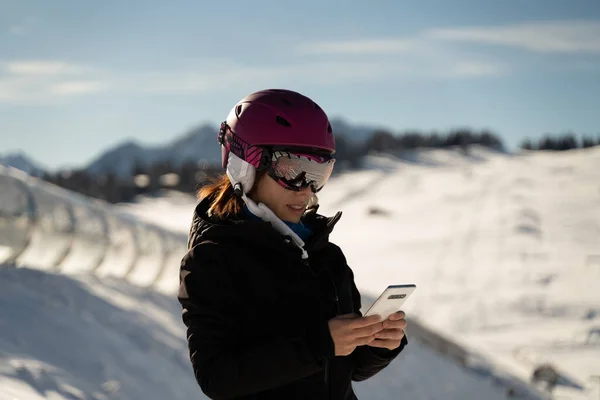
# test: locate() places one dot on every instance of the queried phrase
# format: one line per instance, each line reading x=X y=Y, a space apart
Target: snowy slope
x=504 y=251
x=66 y=338
x=197 y=144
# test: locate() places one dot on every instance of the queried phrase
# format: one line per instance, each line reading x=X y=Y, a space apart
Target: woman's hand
x=392 y=333
x=349 y=331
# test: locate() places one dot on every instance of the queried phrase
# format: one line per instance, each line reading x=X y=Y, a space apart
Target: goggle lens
x=296 y=171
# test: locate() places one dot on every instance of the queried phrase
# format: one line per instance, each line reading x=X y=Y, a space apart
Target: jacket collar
x=205 y=228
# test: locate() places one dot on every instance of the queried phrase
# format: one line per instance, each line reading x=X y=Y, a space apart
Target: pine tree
x=587 y=142
x=526 y=144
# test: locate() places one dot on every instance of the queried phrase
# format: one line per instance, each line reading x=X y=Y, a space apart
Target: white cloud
x=426 y=55
x=417 y=57
x=29 y=93
x=46 y=81
x=16 y=90
x=544 y=37
x=429 y=53
x=76 y=87
x=53 y=68
x=227 y=75
x=371 y=46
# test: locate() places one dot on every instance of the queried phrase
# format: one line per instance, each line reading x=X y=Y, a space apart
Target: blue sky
x=79 y=76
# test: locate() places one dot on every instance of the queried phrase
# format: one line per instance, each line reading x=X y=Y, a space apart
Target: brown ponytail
x=224 y=201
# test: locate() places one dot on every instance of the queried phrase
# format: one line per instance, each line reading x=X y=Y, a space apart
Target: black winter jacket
x=256 y=312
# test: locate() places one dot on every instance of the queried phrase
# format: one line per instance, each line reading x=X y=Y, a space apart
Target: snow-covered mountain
x=23 y=162
x=198 y=144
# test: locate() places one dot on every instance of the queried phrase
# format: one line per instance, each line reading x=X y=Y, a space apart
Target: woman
x=270 y=304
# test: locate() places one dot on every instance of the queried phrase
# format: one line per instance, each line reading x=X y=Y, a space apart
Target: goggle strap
x=258 y=157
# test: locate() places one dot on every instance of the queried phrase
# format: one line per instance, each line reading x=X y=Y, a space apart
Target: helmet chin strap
x=242 y=174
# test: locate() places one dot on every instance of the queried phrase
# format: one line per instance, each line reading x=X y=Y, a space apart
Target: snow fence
x=47 y=227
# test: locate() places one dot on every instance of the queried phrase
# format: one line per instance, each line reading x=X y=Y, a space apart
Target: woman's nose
x=305 y=191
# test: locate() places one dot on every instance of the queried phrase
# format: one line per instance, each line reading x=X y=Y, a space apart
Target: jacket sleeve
x=368 y=360
x=223 y=368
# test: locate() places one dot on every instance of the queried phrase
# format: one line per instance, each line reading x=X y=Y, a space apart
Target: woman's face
x=288 y=205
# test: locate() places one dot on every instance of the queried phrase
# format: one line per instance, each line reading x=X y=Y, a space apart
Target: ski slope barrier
x=49 y=228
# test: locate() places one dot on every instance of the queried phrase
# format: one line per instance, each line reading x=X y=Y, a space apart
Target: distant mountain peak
x=20 y=160
x=197 y=144
x=128 y=145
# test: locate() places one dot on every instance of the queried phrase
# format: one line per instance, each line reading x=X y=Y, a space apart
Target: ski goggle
x=297 y=171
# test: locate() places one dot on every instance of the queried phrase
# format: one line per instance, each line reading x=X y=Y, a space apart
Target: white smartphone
x=390 y=300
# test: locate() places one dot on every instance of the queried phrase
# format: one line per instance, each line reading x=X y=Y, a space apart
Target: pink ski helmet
x=274 y=118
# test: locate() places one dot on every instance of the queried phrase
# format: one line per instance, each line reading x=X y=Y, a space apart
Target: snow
x=504 y=250
x=172 y=210
x=89 y=338
x=106 y=338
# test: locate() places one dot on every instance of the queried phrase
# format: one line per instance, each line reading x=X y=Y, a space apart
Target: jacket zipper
x=337 y=299
x=306 y=263
x=338 y=312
